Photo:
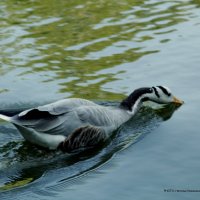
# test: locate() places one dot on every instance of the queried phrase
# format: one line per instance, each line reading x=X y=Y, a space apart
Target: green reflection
x=15 y=184
x=68 y=38
x=79 y=38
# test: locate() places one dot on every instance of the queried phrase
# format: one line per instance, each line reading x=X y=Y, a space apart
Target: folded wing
x=54 y=118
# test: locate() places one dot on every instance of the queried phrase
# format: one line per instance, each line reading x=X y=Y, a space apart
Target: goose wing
x=56 y=108
x=51 y=118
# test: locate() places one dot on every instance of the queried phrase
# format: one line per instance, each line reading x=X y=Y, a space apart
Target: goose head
x=157 y=94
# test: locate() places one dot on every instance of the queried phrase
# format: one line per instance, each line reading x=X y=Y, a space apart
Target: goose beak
x=177 y=101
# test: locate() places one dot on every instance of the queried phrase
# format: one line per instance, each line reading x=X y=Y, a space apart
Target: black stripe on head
x=156 y=92
x=134 y=96
x=164 y=90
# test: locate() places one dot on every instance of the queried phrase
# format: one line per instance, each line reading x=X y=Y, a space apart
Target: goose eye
x=150 y=90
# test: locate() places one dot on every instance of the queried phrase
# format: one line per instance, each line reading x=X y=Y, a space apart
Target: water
x=102 y=51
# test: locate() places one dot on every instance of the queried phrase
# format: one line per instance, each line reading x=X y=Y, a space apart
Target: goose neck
x=134 y=101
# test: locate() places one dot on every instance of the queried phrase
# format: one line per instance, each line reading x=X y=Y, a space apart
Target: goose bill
x=177 y=101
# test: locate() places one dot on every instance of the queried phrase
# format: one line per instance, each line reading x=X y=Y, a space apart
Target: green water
x=102 y=51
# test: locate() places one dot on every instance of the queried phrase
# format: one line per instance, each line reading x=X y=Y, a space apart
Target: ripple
x=42 y=22
x=44 y=39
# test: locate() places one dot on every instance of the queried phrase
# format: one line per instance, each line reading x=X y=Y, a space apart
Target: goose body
x=75 y=123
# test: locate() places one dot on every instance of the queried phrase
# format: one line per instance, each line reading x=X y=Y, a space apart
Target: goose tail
x=5 y=118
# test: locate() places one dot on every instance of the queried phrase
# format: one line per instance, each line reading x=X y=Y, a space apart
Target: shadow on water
x=25 y=165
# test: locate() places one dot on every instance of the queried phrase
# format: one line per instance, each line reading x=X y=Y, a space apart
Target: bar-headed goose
x=71 y=124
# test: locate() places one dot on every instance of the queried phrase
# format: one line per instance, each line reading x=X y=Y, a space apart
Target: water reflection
x=77 y=40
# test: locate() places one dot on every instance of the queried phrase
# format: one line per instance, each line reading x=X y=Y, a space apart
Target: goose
x=75 y=123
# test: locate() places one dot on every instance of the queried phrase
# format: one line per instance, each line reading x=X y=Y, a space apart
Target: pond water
x=102 y=51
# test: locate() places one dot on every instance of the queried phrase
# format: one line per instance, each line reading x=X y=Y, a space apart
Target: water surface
x=102 y=51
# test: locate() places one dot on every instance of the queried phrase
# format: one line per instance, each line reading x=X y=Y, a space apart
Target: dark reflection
x=167 y=111
x=28 y=162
